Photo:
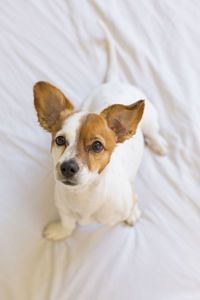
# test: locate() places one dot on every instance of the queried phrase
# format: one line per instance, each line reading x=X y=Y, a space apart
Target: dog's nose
x=69 y=168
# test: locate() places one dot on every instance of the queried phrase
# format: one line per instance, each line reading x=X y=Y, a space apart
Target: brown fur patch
x=123 y=119
x=94 y=128
x=50 y=104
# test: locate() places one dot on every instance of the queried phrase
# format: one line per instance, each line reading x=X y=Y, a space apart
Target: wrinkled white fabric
x=158 y=46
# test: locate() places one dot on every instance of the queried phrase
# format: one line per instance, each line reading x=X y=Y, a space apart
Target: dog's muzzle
x=69 y=169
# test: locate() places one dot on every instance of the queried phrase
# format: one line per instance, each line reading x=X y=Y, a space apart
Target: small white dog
x=97 y=151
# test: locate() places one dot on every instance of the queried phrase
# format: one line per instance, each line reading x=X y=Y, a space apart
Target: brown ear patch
x=124 y=119
x=49 y=103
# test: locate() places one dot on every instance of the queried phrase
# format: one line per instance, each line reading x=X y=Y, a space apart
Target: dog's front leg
x=59 y=230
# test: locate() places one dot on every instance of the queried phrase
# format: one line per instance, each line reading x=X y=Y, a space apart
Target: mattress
x=60 y=42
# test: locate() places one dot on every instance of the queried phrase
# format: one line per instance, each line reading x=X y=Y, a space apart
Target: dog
x=97 y=151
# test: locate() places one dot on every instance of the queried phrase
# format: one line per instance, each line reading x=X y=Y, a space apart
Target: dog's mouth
x=67 y=182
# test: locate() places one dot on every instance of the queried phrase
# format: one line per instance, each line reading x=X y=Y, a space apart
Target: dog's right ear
x=123 y=119
x=49 y=103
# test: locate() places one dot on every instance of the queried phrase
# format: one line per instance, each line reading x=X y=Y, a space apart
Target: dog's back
x=114 y=91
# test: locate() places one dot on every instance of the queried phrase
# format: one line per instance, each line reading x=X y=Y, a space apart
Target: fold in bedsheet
x=158 y=46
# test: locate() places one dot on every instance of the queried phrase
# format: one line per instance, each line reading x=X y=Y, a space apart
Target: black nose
x=69 y=168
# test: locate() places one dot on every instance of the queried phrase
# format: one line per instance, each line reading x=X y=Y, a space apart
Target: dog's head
x=82 y=142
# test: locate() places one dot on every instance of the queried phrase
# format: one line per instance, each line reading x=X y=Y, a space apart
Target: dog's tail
x=112 y=72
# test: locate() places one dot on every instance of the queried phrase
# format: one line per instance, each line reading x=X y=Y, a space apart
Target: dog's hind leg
x=135 y=212
x=150 y=129
x=134 y=216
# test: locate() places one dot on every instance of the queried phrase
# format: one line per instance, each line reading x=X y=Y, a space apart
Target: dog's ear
x=123 y=120
x=49 y=103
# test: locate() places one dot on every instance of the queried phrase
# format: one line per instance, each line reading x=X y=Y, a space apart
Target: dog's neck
x=111 y=183
x=94 y=184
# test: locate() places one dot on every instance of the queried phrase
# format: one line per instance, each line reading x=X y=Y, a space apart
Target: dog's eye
x=60 y=140
x=96 y=147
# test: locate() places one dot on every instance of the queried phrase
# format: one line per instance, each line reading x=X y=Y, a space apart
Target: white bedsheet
x=158 y=45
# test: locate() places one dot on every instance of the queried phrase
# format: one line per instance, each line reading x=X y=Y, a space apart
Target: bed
x=158 y=46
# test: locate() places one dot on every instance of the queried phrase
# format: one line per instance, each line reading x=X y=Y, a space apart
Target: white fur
x=69 y=129
x=108 y=197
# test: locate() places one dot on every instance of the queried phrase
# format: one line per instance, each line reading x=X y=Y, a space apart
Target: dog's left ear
x=49 y=103
x=123 y=120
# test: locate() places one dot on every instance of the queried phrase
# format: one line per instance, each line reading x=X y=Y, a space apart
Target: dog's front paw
x=134 y=216
x=55 y=231
x=157 y=144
